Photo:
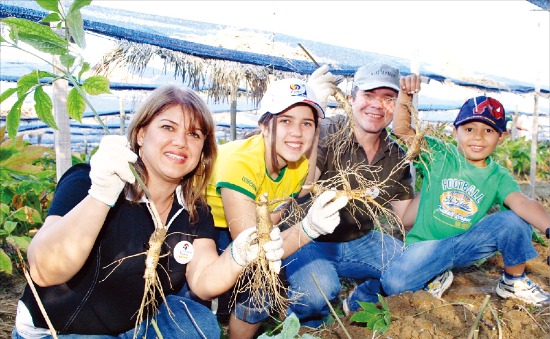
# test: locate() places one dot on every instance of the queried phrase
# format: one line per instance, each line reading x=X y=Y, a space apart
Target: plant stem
x=474 y=330
x=330 y=307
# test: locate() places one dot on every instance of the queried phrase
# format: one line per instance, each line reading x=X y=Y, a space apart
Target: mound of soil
x=420 y=315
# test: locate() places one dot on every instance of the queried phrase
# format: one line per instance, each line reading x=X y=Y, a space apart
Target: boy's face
x=477 y=141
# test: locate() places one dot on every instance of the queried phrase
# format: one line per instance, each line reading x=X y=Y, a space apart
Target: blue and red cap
x=485 y=109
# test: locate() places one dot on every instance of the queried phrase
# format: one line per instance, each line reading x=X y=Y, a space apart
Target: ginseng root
x=263 y=285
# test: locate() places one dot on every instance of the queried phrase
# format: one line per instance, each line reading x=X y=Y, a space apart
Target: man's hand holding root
x=244 y=249
x=110 y=169
x=323 y=84
x=323 y=216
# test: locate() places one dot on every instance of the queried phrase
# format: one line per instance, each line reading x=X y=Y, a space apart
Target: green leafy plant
x=536 y=237
x=376 y=319
x=67 y=45
x=290 y=329
x=27 y=186
x=515 y=154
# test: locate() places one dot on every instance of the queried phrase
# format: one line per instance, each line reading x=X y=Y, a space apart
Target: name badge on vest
x=183 y=252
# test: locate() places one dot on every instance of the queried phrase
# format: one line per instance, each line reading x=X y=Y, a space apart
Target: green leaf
x=291 y=326
x=50 y=5
x=5 y=263
x=76 y=105
x=21 y=161
x=28 y=81
x=9 y=226
x=2 y=39
x=537 y=238
x=43 y=106
x=387 y=317
x=365 y=317
x=78 y=4
x=75 y=24
x=85 y=68
x=96 y=84
x=41 y=37
x=14 y=117
x=22 y=243
x=383 y=302
x=67 y=60
x=380 y=326
x=7 y=93
x=4 y=208
x=52 y=17
x=368 y=307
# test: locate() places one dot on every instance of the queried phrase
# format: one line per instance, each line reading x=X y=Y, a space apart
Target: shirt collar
x=179 y=197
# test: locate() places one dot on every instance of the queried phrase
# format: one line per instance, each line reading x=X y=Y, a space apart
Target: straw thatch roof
x=216 y=77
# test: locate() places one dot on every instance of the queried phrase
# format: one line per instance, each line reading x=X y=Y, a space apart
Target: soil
x=419 y=314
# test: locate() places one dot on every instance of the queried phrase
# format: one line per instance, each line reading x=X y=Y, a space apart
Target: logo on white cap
x=297 y=90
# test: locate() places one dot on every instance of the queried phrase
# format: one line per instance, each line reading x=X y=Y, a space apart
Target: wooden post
x=514 y=123
x=122 y=116
x=534 y=143
x=415 y=68
x=233 y=113
x=62 y=136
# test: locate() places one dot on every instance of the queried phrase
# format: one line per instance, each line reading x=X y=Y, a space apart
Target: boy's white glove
x=110 y=169
x=244 y=249
x=323 y=216
x=323 y=84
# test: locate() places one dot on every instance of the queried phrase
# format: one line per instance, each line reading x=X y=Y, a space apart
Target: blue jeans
x=504 y=232
x=364 y=258
x=189 y=320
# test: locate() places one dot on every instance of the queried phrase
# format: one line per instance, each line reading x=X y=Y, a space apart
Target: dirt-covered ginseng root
x=153 y=286
x=363 y=200
x=259 y=282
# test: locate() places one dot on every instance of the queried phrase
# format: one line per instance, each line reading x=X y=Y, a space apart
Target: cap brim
x=480 y=119
x=281 y=106
x=377 y=84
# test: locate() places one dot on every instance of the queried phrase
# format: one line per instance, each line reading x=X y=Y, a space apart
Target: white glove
x=323 y=216
x=110 y=169
x=323 y=84
x=274 y=250
x=244 y=249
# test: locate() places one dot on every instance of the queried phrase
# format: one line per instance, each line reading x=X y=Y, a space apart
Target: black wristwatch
x=548 y=233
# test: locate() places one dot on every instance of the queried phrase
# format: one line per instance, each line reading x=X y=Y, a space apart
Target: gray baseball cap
x=375 y=76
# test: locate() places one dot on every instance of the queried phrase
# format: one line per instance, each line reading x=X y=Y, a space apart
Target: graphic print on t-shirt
x=458 y=203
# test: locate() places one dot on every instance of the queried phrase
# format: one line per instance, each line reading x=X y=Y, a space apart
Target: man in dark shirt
x=355 y=250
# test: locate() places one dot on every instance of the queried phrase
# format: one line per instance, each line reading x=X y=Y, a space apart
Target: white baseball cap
x=281 y=94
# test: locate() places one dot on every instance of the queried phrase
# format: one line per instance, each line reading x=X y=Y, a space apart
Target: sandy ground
x=420 y=315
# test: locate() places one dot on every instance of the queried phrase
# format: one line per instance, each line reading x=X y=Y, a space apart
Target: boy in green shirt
x=460 y=185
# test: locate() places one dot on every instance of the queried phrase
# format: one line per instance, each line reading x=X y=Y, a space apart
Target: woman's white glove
x=244 y=249
x=323 y=84
x=323 y=216
x=110 y=169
